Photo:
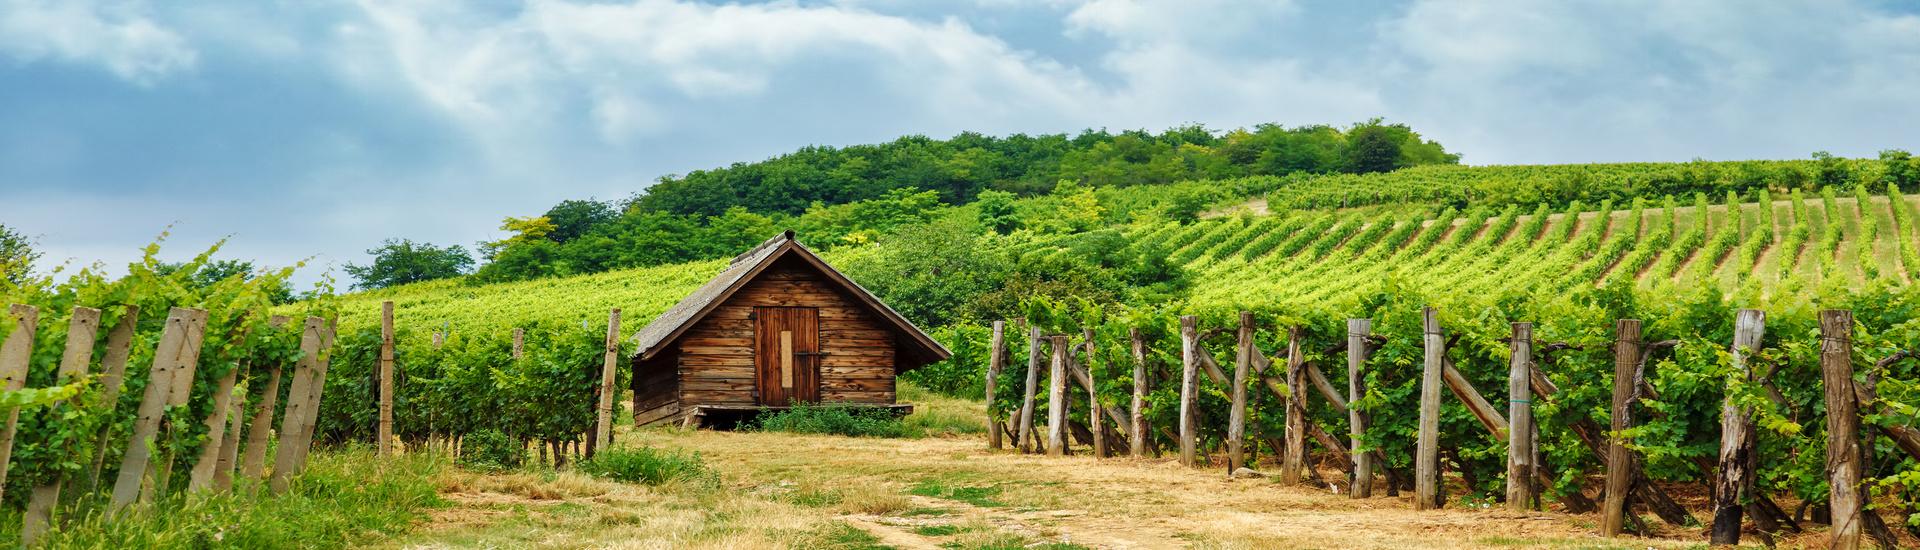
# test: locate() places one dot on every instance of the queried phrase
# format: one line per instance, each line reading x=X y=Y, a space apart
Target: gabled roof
x=666 y=328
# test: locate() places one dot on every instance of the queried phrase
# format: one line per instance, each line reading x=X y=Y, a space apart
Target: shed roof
x=666 y=328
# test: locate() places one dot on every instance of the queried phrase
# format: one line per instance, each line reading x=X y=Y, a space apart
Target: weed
x=848 y=421
x=650 y=466
x=935 y=530
x=976 y=495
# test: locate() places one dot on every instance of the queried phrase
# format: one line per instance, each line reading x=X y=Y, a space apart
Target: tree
x=220 y=270
x=573 y=218
x=996 y=211
x=402 y=261
x=16 y=255
x=1900 y=169
x=1372 y=148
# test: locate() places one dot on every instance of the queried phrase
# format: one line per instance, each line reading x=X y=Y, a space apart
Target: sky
x=312 y=130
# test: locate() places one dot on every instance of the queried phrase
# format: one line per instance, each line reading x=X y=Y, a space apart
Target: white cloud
x=117 y=37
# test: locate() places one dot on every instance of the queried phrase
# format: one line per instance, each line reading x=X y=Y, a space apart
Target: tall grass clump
x=650 y=466
x=847 y=421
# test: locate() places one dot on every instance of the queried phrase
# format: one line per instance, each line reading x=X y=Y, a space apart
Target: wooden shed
x=777 y=327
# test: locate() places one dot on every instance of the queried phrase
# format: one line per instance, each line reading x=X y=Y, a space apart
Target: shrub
x=491 y=450
x=855 y=422
x=650 y=466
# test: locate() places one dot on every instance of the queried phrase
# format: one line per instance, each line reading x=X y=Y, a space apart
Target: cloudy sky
x=318 y=128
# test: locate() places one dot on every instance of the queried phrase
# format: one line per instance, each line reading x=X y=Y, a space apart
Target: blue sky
x=315 y=129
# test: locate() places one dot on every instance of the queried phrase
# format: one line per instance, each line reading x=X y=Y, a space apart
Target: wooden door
x=786 y=355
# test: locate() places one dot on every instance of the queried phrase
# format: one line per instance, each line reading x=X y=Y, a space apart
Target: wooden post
x=1095 y=423
x=1294 y=458
x=519 y=343
x=1137 y=429
x=1237 y=418
x=1520 y=430
x=1025 y=432
x=254 y=463
x=996 y=358
x=1620 y=462
x=1357 y=332
x=201 y=477
x=603 y=423
x=230 y=444
x=1426 y=461
x=1189 y=367
x=161 y=477
x=439 y=339
x=1843 y=427
x=82 y=329
x=168 y=355
x=113 y=368
x=16 y=356
x=383 y=438
x=299 y=405
x=1734 y=476
x=1057 y=399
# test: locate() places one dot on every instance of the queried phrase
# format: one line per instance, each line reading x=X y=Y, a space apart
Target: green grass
x=847 y=421
x=979 y=495
x=650 y=466
x=839 y=536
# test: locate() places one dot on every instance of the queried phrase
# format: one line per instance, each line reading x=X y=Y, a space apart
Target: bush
x=491 y=450
x=650 y=466
x=848 y=421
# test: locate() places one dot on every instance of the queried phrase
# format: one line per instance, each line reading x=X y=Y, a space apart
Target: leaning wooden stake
x=1733 y=480
x=1520 y=430
x=1057 y=399
x=230 y=444
x=519 y=343
x=1362 y=482
x=82 y=329
x=1024 y=434
x=383 y=438
x=1237 y=418
x=1620 y=462
x=1095 y=423
x=996 y=359
x=1426 y=461
x=113 y=368
x=15 y=356
x=253 y=464
x=1189 y=386
x=201 y=476
x=1137 y=429
x=299 y=406
x=168 y=355
x=609 y=369
x=1843 y=427
x=1293 y=459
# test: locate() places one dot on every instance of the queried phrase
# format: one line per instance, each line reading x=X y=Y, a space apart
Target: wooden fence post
x=1426 y=461
x=201 y=476
x=16 y=356
x=1237 y=418
x=230 y=443
x=1843 y=427
x=519 y=343
x=299 y=405
x=1137 y=428
x=1734 y=476
x=253 y=463
x=82 y=329
x=1025 y=434
x=1520 y=429
x=1357 y=332
x=383 y=438
x=1057 y=399
x=1294 y=458
x=1620 y=462
x=1189 y=369
x=1095 y=423
x=609 y=374
x=168 y=356
x=182 y=390
x=996 y=359
x=113 y=368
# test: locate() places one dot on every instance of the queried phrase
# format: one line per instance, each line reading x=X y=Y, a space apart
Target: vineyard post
x=1734 y=476
x=1295 y=457
x=1137 y=428
x=113 y=367
x=1426 y=461
x=519 y=343
x=153 y=403
x=230 y=444
x=254 y=463
x=383 y=438
x=1237 y=418
x=1189 y=365
x=1520 y=429
x=1095 y=424
x=996 y=357
x=603 y=422
x=298 y=405
x=16 y=355
x=1357 y=332
x=328 y=333
x=1843 y=426
x=201 y=476
x=1024 y=434
x=182 y=381
x=82 y=329
x=1057 y=399
x=1620 y=463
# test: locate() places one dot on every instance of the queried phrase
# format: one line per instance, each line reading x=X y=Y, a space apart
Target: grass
x=345 y=498
x=847 y=421
x=650 y=466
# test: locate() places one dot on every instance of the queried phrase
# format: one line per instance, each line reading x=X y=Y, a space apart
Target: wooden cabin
x=777 y=327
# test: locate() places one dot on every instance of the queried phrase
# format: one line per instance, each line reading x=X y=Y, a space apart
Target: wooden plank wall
x=716 y=354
